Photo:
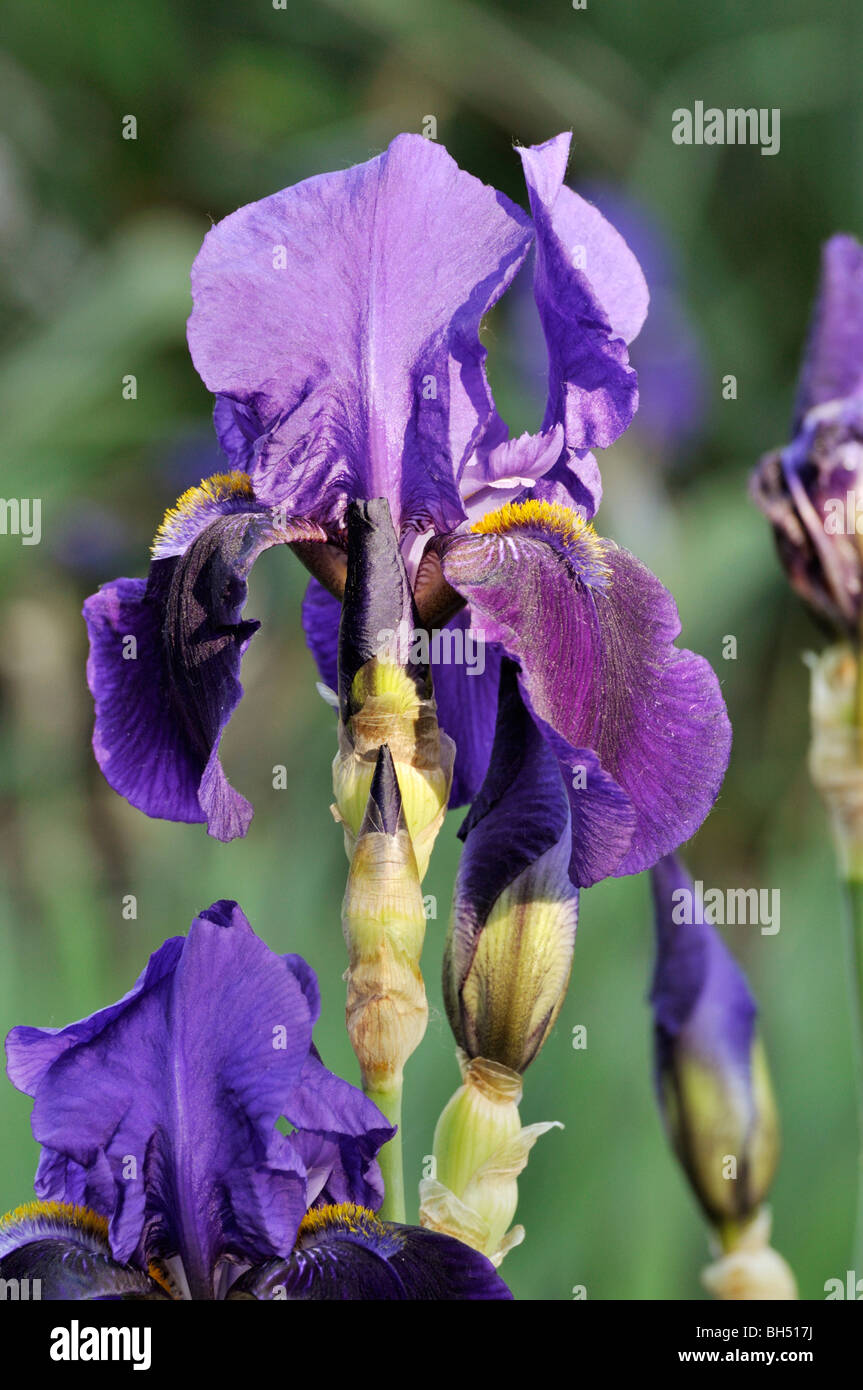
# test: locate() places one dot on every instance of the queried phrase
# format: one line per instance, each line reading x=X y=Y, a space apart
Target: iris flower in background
x=338 y=324
x=812 y=493
x=163 y=1173
x=714 y=1090
x=804 y=488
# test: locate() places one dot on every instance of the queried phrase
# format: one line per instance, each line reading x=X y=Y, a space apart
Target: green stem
x=390 y=1156
x=853 y=894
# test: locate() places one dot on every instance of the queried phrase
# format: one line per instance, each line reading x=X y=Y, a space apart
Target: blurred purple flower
x=812 y=490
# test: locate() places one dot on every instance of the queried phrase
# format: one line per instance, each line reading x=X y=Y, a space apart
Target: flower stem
x=390 y=1156
x=853 y=895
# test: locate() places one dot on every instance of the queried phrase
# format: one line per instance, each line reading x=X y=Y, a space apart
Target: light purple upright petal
x=588 y=314
x=356 y=298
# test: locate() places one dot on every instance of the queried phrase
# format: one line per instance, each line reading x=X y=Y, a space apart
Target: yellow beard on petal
x=553 y=519
x=65 y=1213
x=346 y=1215
x=219 y=488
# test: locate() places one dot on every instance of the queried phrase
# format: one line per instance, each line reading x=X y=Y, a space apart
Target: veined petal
x=357 y=298
x=344 y=1252
x=178 y=1087
x=57 y=1251
x=165 y=655
x=593 y=632
x=588 y=315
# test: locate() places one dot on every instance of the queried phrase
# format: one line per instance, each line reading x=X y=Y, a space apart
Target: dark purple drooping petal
x=60 y=1252
x=593 y=632
x=165 y=656
x=176 y=1091
x=378 y=603
x=592 y=300
x=465 y=691
x=357 y=298
x=344 y=1252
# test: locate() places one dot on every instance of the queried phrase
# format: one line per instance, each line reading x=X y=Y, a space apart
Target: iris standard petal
x=165 y=655
x=588 y=314
x=179 y=1087
x=344 y=1252
x=833 y=363
x=593 y=632
x=357 y=297
x=58 y=1251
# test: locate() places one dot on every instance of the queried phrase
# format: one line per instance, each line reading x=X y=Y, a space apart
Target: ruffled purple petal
x=346 y=1253
x=357 y=298
x=165 y=657
x=833 y=364
x=593 y=632
x=178 y=1087
x=588 y=315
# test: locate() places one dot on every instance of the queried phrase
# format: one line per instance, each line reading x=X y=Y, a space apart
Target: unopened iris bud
x=713 y=1084
x=506 y=968
x=384 y=925
x=385 y=688
x=512 y=933
x=711 y=1071
x=812 y=490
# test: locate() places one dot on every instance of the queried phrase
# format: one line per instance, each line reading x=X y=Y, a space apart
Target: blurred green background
x=97 y=234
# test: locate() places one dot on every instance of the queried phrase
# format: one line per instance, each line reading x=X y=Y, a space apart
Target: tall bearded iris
x=163 y=1172
x=338 y=324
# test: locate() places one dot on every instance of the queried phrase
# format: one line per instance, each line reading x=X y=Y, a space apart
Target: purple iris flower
x=163 y=1172
x=338 y=323
x=711 y=1074
x=812 y=490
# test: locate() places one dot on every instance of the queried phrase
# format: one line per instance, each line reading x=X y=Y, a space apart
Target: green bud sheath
x=384 y=925
x=480 y=1147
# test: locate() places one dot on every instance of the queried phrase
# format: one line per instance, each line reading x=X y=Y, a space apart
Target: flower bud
x=480 y=1147
x=711 y=1071
x=384 y=926
x=385 y=689
x=812 y=490
x=509 y=949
